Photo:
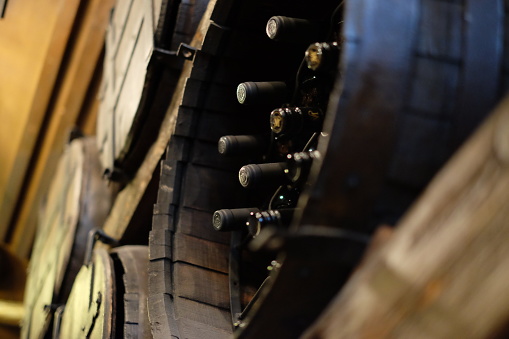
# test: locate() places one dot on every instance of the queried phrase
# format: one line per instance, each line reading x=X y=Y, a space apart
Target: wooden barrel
x=410 y=92
x=189 y=271
x=78 y=201
x=415 y=87
x=90 y=310
x=109 y=297
x=140 y=70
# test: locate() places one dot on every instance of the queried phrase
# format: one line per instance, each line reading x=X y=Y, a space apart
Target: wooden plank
x=128 y=43
x=202 y=313
x=200 y=284
x=90 y=310
x=87 y=121
x=127 y=200
x=132 y=85
x=443 y=17
x=194 y=329
x=11 y=312
x=33 y=38
x=117 y=27
x=443 y=274
x=202 y=185
x=200 y=252
x=156 y=9
x=134 y=260
x=189 y=217
x=82 y=63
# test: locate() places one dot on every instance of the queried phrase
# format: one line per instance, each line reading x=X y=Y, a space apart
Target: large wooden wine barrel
x=109 y=297
x=415 y=79
x=78 y=201
x=189 y=272
x=141 y=68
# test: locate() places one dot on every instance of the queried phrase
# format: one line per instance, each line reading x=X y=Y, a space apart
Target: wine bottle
x=269 y=174
x=293 y=30
x=234 y=145
x=277 y=218
x=227 y=220
x=299 y=164
x=322 y=56
x=267 y=93
x=290 y=121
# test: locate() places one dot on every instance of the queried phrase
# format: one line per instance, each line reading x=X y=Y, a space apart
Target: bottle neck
x=275 y=218
x=291 y=121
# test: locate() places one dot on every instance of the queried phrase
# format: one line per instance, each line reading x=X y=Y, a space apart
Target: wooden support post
x=11 y=312
x=33 y=37
x=445 y=271
x=82 y=62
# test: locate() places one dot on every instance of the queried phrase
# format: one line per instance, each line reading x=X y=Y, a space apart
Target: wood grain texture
x=82 y=62
x=11 y=312
x=188 y=265
x=444 y=272
x=33 y=37
x=90 y=311
x=77 y=202
x=130 y=196
x=388 y=144
x=132 y=289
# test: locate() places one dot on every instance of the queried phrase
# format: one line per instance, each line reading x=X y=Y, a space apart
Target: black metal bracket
x=57 y=321
x=51 y=307
x=186 y=51
x=116 y=174
x=94 y=236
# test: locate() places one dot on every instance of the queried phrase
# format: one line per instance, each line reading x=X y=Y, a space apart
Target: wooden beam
x=33 y=37
x=11 y=312
x=82 y=63
x=445 y=271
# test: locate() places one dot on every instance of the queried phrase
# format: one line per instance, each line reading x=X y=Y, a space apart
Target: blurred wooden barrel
x=78 y=201
x=140 y=71
x=109 y=297
x=411 y=91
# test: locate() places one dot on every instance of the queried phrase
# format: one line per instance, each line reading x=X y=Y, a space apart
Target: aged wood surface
x=33 y=37
x=11 y=312
x=82 y=63
x=77 y=202
x=90 y=311
x=52 y=247
x=443 y=274
x=141 y=71
x=129 y=198
x=401 y=114
x=129 y=45
x=132 y=280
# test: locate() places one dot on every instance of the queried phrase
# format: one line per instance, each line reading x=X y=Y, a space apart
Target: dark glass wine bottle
x=286 y=196
x=263 y=175
x=227 y=220
x=293 y=30
x=299 y=164
x=242 y=145
x=322 y=56
x=277 y=218
x=291 y=121
x=262 y=93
